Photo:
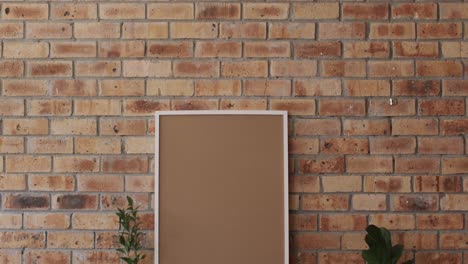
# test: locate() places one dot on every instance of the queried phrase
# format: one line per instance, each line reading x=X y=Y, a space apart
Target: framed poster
x=221 y=187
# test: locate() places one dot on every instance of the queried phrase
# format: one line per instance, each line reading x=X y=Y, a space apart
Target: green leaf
x=408 y=262
x=397 y=250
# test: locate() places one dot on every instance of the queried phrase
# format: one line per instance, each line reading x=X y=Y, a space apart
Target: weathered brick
x=267 y=49
x=11 y=30
x=11 y=68
x=25 y=88
x=391 y=68
x=294 y=106
x=83 y=257
x=68 y=239
x=11 y=221
x=75 y=11
x=392 y=31
x=453 y=202
x=50 y=145
x=325 y=202
x=136 y=107
x=369 y=164
x=343 y=68
x=48 y=30
x=344 y=146
x=139 y=183
x=113 y=201
x=453 y=11
x=122 y=49
x=244 y=69
x=372 y=49
x=393 y=221
x=372 y=127
x=96 y=30
x=355 y=30
x=217 y=87
x=343 y=222
x=383 y=107
x=207 y=69
x=309 y=87
x=74 y=202
x=243 y=104
x=172 y=49
x=209 y=11
x=316 y=10
x=43 y=256
x=76 y=164
x=101 y=145
x=414 y=203
x=439 y=30
x=101 y=183
x=146 y=68
x=303 y=146
x=195 y=104
x=241 y=30
x=365 y=11
x=73 y=126
x=416 y=241
x=454 y=165
x=454 y=49
x=342 y=107
x=314 y=241
x=428 y=183
x=122 y=127
x=122 y=11
x=388 y=184
x=29 y=11
x=74 y=88
x=439 y=221
x=170 y=11
x=11 y=144
x=407 y=49
x=442 y=145
x=417 y=165
x=439 y=68
x=441 y=107
x=317 y=49
x=303 y=222
x=93 y=221
x=414 y=11
x=97 y=68
x=47 y=221
x=198 y=30
x=429 y=257
x=339 y=257
x=23 y=239
x=49 y=107
x=367 y=87
x=294 y=68
x=26 y=201
x=51 y=183
x=290 y=30
x=392 y=145
x=173 y=87
x=98 y=107
x=115 y=164
x=37 y=126
x=322 y=164
x=454 y=240
x=369 y=202
x=25 y=50
x=50 y=68
x=122 y=87
x=416 y=87
x=265 y=11
x=408 y=126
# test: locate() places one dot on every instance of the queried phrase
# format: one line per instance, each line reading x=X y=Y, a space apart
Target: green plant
x=380 y=249
x=130 y=237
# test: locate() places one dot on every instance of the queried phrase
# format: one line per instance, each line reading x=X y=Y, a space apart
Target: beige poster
x=221 y=187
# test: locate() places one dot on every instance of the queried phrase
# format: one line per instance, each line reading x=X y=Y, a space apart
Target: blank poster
x=221 y=192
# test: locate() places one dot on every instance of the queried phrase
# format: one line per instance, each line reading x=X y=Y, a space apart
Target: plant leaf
x=397 y=250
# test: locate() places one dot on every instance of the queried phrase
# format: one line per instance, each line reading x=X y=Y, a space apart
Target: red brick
x=209 y=11
x=317 y=127
x=439 y=68
x=416 y=87
x=97 y=68
x=49 y=30
x=96 y=30
x=25 y=88
x=173 y=87
x=105 y=107
x=139 y=183
x=43 y=257
x=325 y=202
x=442 y=145
x=199 y=30
x=294 y=68
x=93 y=221
x=122 y=87
x=428 y=183
x=414 y=203
x=439 y=30
x=416 y=241
x=11 y=68
x=304 y=257
x=392 y=145
x=417 y=165
x=290 y=30
x=9 y=239
x=267 y=87
x=241 y=30
x=391 y=68
x=340 y=257
x=454 y=165
x=322 y=164
x=311 y=241
x=74 y=88
x=455 y=88
x=116 y=164
x=267 y=49
x=306 y=87
x=407 y=49
x=386 y=184
x=430 y=257
x=265 y=11
x=73 y=126
x=372 y=127
x=442 y=107
x=113 y=201
x=196 y=69
x=414 y=11
x=122 y=11
x=122 y=127
x=372 y=49
x=170 y=11
x=73 y=11
x=342 y=183
x=454 y=241
x=316 y=10
x=11 y=30
x=13 y=182
x=342 y=107
x=50 y=145
x=383 y=107
x=243 y=104
x=453 y=11
x=244 y=69
x=145 y=30
x=294 y=106
x=342 y=222
x=393 y=221
x=25 y=50
x=369 y=202
x=76 y=164
x=367 y=87
x=50 y=68
x=146 y=68
x=67 y=239
x=343 y=68
x=392 y=31
x=73 y=49
x=365 y=11
x=453 y=126
x=122 y=49
x=101 y=183
x=303 y=222
x=408 y=126
x=82 y=257
x=51 y=183
x=340 y=31
x=369 y=164
x=439 y=221
x=454 y=202
x=175 y=49
x=317 y=49
x=11 y=144
x=16 y=11
x=206 y=49
x=37 y=126
x=344 y=146
x=101 y=145
x=144 y=107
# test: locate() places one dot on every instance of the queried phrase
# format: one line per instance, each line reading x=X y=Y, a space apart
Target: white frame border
x=284 y=114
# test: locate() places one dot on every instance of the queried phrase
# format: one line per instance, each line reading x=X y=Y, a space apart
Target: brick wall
x=81 y=80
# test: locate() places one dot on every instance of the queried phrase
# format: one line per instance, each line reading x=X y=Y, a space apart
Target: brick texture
x=376 y=93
